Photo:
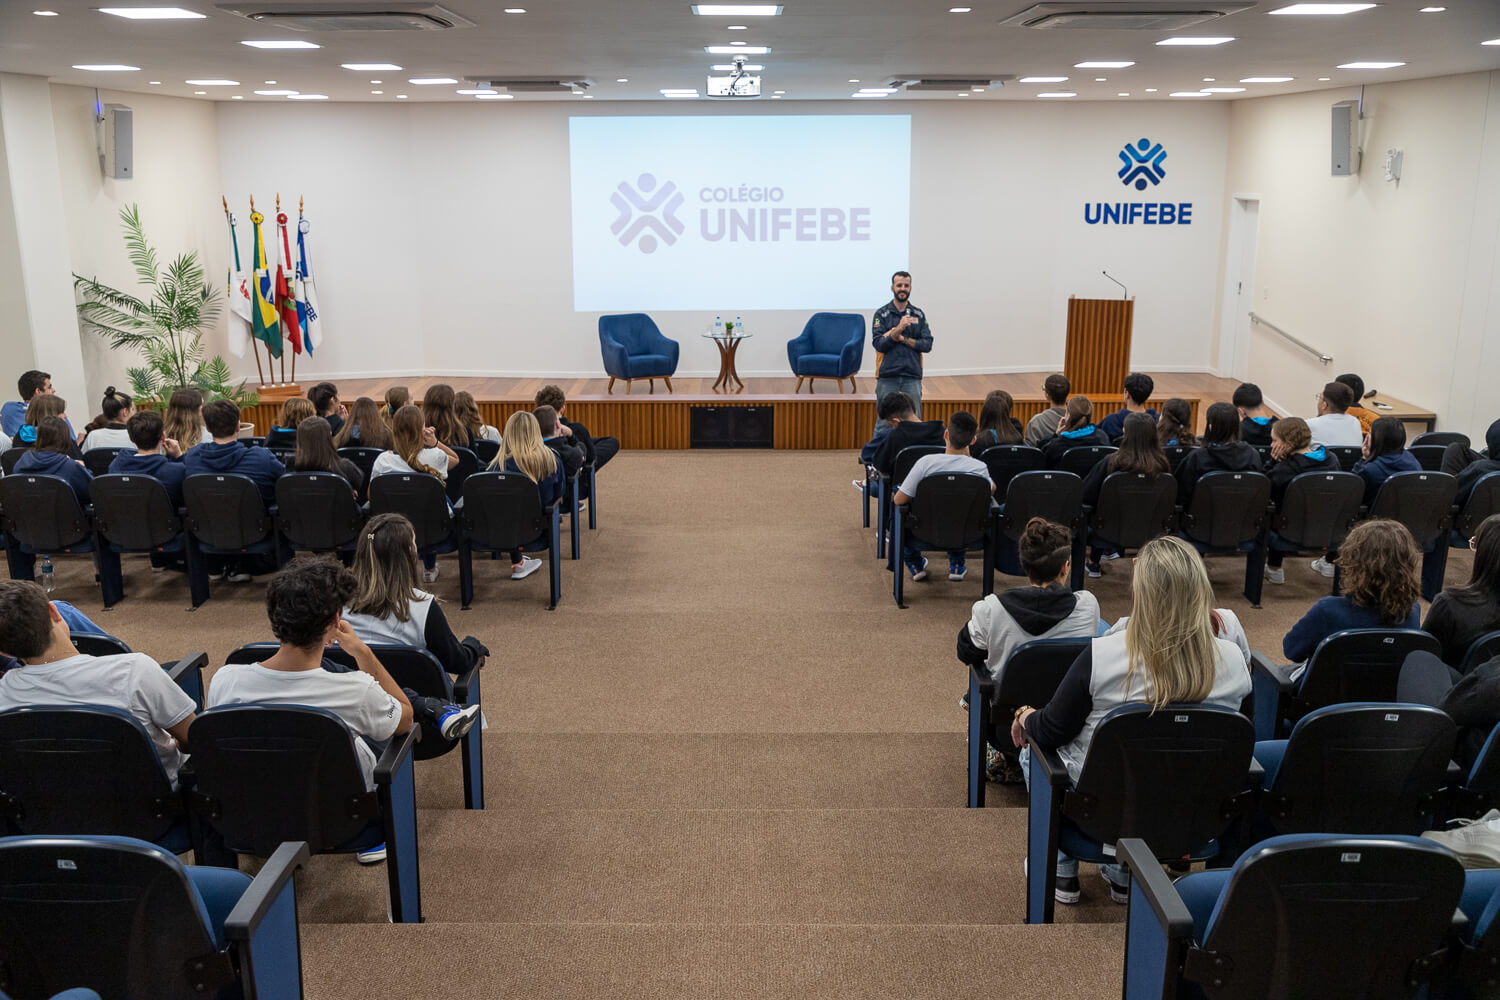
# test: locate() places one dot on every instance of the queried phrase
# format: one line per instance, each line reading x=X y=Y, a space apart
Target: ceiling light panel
x=371 y=67
x=273 y=43
x=1043 y=79
x=1267 y=79
x=107 y=67
x=212 y=83
x=1315 y=9
x=153 y=13
x=1196 y=41
x=737 y=9
x=427 y=81
x=1104 y=64
x=1370 y=65
x=737 y=50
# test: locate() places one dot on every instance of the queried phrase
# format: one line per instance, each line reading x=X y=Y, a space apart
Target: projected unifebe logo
x=1141 y=164
x=639 y=207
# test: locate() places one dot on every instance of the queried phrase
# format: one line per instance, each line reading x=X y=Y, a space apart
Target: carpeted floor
x=726 y=765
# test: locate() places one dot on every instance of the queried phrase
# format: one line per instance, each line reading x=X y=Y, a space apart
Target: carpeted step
x=669 y=961
x=715 y=866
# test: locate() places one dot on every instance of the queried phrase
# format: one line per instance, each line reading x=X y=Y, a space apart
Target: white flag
x=307 y=292
x=239 y=300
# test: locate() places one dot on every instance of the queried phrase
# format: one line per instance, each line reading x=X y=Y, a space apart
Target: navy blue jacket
x=1377 y=470
x=169 y=472
x=257 y=463
x=1114 y=425
x=51 y=463
x=901 y=360
x=1334 y=614
x=550 y=488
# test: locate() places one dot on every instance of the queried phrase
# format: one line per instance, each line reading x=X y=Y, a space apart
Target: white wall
x=1396 y=282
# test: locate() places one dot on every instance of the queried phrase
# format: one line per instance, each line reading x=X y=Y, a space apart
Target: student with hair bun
x=107 y=430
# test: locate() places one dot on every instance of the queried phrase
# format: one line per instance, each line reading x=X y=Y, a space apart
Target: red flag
x=286 y=301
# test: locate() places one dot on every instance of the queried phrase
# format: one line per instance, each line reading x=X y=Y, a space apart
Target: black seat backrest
x=134 y=512
x=1362 y=768
x=1347 y=454
x=9 y=458
x=117 y=917
x=316 y=510
x=1134 y=508
x=1006 y=461
x=502 y=510
x=1486 y=647
x=83 y=770
x=1483 y=501
x=1081 y=460
x=1227 y=509
x=1429 y=456
x=97 y=644
x=225 y=511
x=1423 y=501
x=1056 y=496
x=1264 y=451
x=1441 y=439
x=485 y=450
x=1360 y=664
x=97 y=460
x=1330 y=917
x=1034 y=669
x=1176 y=453
x=420 y=498
x=1170 y=777
x=951 y=510
x=1318 y=509
x=907 y=457
x=364 y=460
x=272 y=773
x=42 y=512
x=468 y=464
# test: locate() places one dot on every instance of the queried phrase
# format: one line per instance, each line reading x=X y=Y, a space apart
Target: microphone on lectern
x=1124 y=293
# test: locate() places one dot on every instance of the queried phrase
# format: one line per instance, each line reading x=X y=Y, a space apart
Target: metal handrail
x=1326 y=359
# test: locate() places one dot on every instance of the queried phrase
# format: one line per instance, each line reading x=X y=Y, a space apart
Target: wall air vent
x=320 y=15
x=534 y=85
x=918 y=82
x=1102 y=15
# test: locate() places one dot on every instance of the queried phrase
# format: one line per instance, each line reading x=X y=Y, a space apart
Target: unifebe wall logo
x=640 y=204
x=1140 y=168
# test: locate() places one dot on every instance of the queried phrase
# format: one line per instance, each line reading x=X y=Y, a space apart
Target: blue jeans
x=902 y=383
x=1067 y=866
x=911 y=554
x=78 y=621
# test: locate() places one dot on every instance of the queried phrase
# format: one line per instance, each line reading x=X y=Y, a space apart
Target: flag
x=307 y=291
x=239 y=297
x=264 y=326
x=286 y=302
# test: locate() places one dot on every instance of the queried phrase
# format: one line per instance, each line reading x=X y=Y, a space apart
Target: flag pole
x=270 y=360
x=236 y=243
x=278 y=317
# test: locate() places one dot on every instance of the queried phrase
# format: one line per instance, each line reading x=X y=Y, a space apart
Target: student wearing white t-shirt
x=107 y=430
x=414 y=448
x=1334 y=426
x=955 y=458
x=53 y=672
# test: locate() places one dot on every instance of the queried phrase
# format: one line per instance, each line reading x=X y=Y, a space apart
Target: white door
x=1239 y=287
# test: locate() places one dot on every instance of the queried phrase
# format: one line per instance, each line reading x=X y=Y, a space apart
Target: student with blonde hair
x=293 y=412
x=1168 y=653
x=183 y=421
x=523 y=450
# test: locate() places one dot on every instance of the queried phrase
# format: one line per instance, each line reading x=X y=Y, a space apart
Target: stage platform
x=825 y=419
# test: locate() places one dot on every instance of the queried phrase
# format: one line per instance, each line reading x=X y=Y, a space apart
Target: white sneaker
x=1105 y=557
x=858 y=484
x=237 y=576
x=1324 y=567
x=430 y=575
x=525 y=568
x=1475 y=841
x=1275 y=575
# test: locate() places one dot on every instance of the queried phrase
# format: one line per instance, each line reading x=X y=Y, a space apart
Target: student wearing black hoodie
x=906 y=430
x=1470 y=466
x=1222 y=451
x=1077 y=430
x=1294 y=453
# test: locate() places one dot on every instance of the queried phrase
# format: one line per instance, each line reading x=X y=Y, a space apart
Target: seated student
x=468 y=412
x=316 y=453
x=1294 y=453
x=325 y=401
x=599 y=449
x=1221 y=451
x=183 y=421
x=50 y=455
x=389 y=607
x=996 y=425
x=955 y=458
x=53 y=672
x=1357 y=410
x=1471 y=700
x=1139 y=452
x=906 y=430
x=293 y=411
x=226 y=454
x=1382 y=584
x=155 y=456
x=29 y=386
x=1077 y=430
x=1385 y=455
x=522 y=450
x=414 y=448
x=41 y=408
x=1459 y=615
x=303 y=602
x=1167 y=653
x=889 y=404
x=1470 y=466
x=1255 y=419
x=396 y=397
x=568 y=450
x=108 y=429
x=1333 y=426
x=1042 y=426
x=440 y=412
x=364 y=428
x=1175 y=425
x=1138 y=389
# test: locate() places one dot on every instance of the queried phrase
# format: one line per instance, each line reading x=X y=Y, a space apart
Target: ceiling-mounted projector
x=737 y=84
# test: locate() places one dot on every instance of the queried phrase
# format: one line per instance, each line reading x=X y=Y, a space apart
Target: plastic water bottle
x=47 y=580
x=739 y=326
x=718 y=326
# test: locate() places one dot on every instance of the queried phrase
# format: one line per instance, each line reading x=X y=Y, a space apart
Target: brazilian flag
x=265 y=323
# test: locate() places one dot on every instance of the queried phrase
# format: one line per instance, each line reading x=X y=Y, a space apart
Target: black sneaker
x=1067 y=891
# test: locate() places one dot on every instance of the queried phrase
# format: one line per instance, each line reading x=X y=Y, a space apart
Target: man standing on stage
x=900 y=333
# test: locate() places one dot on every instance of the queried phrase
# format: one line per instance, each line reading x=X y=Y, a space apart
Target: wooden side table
x=728 y=344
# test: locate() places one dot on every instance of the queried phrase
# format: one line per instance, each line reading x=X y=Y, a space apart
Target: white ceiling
x=818 y=46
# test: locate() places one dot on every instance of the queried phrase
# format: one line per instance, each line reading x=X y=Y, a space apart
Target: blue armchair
x=634 y=348
x=831 y=345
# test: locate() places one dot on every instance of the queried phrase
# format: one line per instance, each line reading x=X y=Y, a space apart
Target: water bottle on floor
x=47 y=580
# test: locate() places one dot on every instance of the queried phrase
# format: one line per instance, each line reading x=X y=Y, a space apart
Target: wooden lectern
x=1098 y=352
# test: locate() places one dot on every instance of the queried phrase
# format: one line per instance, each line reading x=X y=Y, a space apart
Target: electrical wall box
x=116 y=132
x=1345 y=138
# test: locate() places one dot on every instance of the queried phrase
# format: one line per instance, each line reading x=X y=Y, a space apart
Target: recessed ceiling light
x=476 y=91
x=1492 y=41
x=1267 y=79
x=730 y=68
x=515 y=10
x=1190 y=93
x=237 y=97
x=1101 y=79
x=1058 y=93
x=270 y=83
x=977 y=90
x=1043 y=79
x=873 y=90
x=1432 y=10
x=1123 y=93
x=778 y=93
x=377 y=91
x=1223 y=90
x=1370 y=65
x=737 y=9
x=307 y=97
x=625 y=80
x=45 y=13
x=853 y=80
x=213 y=83
x=1196 y=41
x=400 y=97
x=275 y=93
x=1104 y=64
x=108 y=68
x=962 y=93
x=494 y=97
x=154 y=83
x=775 y=97
x=736 y=43
x=739 y=27
x=371 y=67
x=959 y=10
x=199 y=93
x=276 y=43
x=428 y=80
x=737 y=49
x=1150 y=90
x=1323 y=8
x=1324 y=79
x=153 y=13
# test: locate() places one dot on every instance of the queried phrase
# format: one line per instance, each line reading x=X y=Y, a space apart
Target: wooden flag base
x=278 y=393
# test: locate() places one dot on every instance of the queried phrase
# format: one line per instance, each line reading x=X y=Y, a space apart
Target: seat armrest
x=465 y=681
x=187 y=673
x=265 y=890
x=1255 y=778
x=1146 y=875
x=1262 y=664
x=397 y=753
x=1051 y=763
x=983 y=682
